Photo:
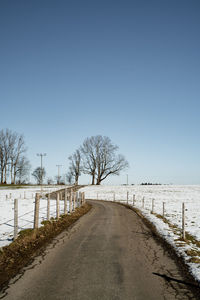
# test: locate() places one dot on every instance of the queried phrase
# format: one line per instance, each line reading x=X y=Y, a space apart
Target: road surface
x=108 y=254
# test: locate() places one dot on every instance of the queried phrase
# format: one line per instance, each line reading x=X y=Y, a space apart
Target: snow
x=26 y=202
x=173 y=197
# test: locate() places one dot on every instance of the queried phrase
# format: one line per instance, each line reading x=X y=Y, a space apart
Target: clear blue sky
x=129 y=70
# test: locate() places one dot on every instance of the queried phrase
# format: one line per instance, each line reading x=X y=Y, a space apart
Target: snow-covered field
x=172 y=196
x=26 y=202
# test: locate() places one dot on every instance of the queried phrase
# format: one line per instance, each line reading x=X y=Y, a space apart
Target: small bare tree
x=69 y=177
x=39 y=173
x=17 y=157
x=49 y=180
x=22 y=170
x=75 y=165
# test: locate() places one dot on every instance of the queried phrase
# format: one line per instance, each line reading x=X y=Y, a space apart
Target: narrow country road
x=108 y=254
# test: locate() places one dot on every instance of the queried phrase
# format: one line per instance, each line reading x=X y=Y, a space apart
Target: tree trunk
x=76 y=180
x=93 y=178
x=11 y=174
x=5 y=176
x=2 y=176
x=98 y=182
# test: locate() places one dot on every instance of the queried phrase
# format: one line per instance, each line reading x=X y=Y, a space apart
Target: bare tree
x=17 y=157
x=69 y=177
x=39 y=173
x=49 y=181
x=5 y=144
x=100 y=159
x=22 y=169
x=75 y=165
x=12 y=150
x=88 y=150
x=2 y=161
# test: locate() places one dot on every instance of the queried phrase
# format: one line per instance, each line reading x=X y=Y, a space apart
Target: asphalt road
x=108 y=254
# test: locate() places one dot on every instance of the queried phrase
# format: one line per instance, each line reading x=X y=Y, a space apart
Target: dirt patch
x=30 y=243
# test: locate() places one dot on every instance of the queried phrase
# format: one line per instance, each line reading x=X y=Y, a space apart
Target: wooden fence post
x=79 y=199
x=183 y=221
x=133 y=200
x=48 y=207
x=152 y=209
x=80 y=195
x=114 y=197
x=163 y=209
x=10 y=195
x=65 y=202
x=15 y=218
x=83 y=197
x=143 y=202
x=74 y=198
x=127 y=197
x=36 y=212
x=58 y=206
x=70 y=203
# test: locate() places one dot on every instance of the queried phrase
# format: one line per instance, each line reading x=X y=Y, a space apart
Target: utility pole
x=58 y=166
x=126 y=179
x=41 y=179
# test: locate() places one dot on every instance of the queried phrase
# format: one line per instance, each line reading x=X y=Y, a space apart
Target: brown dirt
x=31 y=242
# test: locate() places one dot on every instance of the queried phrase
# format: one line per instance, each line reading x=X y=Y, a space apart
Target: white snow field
x=173 y=197
x=26 y=203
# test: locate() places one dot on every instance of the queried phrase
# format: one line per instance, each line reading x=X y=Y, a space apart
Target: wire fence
x=49 y=207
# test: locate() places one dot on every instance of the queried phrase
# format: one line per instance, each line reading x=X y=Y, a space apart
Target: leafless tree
x=2 y=160
x=75 y=165
x=88 y=149
x=17 y=158
x=12 y=150
x=39 y=174
x=69 y=177
x=49 y=180
x=100 y=159
x=22 y=169
x=6 y=144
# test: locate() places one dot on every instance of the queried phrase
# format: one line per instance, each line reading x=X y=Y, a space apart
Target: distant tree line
x=149 y=183
x=14 y=166
x=97 y=157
